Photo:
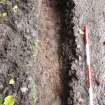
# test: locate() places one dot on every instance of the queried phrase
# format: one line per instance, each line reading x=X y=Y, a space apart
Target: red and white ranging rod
x=88 y=68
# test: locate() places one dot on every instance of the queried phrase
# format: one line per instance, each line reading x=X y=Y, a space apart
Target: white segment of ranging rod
x=88 y=68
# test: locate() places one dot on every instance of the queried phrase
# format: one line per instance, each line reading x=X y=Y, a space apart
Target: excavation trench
x=60 y=13
x=64 y=19
x=67 y=50
x=66 y=45
x=38 y=49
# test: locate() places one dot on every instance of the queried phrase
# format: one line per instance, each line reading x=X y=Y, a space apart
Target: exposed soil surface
x=42 y=50
x=90 y=12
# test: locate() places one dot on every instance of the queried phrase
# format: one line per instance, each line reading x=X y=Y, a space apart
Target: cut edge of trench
x=67 y=50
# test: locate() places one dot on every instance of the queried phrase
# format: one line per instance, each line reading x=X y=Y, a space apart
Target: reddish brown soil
x=49 y=28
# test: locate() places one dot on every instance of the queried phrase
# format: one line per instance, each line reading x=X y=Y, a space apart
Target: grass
x=36 y=44
x=1 y=101
x=34 y=93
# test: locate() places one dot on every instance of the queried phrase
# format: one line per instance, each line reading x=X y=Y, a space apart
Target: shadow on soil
x=67 y=49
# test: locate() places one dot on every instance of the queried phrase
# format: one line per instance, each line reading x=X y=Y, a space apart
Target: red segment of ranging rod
x=86 y=37
x=87 y=77
x=88 y=69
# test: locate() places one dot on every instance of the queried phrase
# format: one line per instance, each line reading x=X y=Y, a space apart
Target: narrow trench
x=65 y=41
x=66 y=52
x=67 y=49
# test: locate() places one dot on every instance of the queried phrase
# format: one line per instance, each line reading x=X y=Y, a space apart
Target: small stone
x=1 y=86
x=76 y=61
x=11 y=82
x=24 y=89
x=78 y=46
x=15 y=8
x=81 y=32
x=80 y=58
x=30 y=78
